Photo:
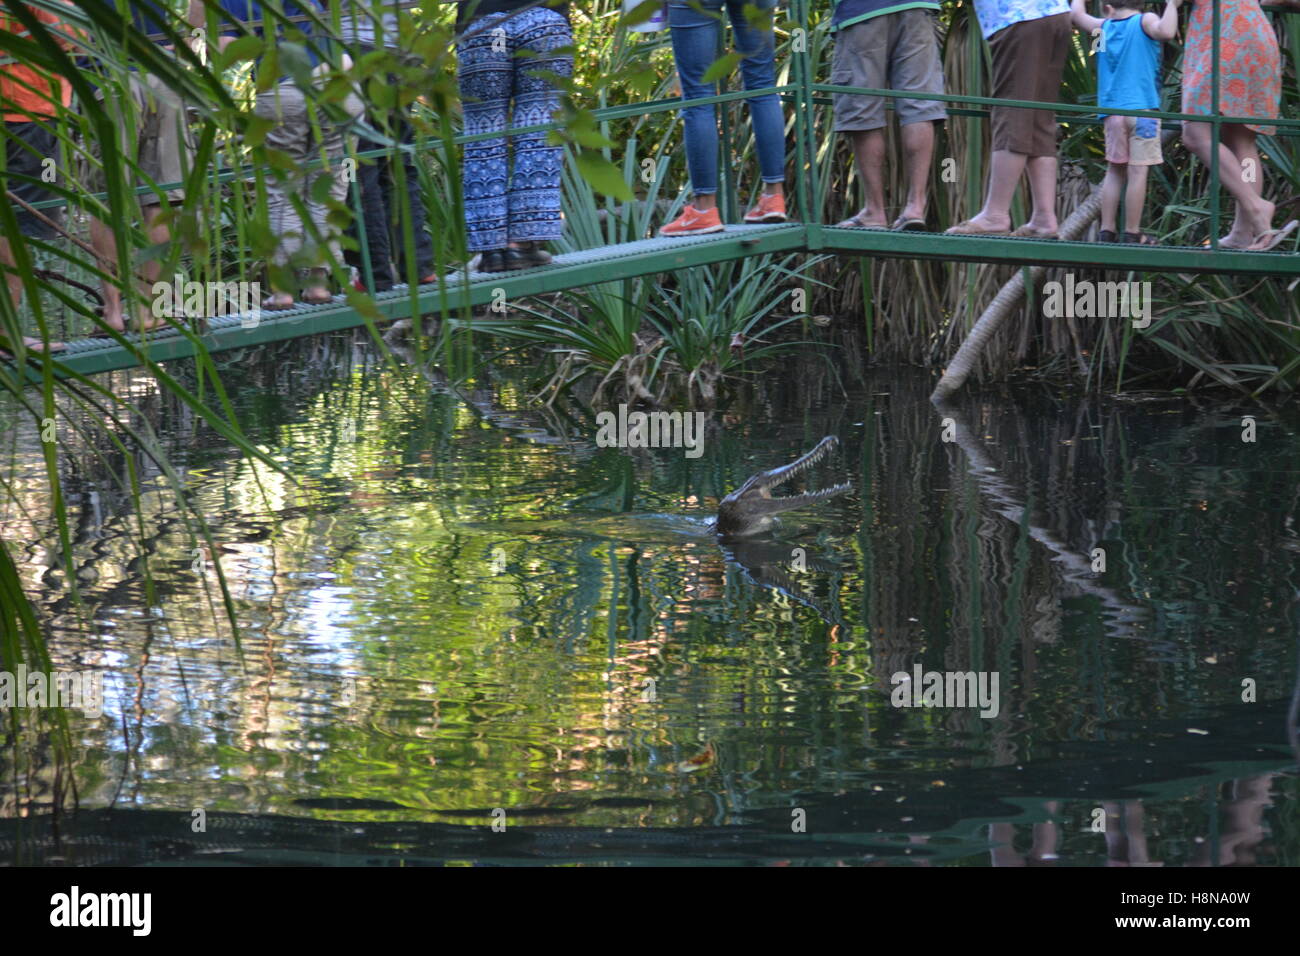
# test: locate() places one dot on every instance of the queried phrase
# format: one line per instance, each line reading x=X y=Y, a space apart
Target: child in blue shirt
x=1128 y=75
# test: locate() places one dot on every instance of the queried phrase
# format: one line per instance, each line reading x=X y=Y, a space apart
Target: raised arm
x=1082 y=19
x=1164 y=26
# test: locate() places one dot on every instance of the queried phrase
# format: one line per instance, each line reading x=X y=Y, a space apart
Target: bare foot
x=982 y=224
x=1236 y=239
x=317 y=295
x=278 y=302
x=145 y=320
x=36 y=345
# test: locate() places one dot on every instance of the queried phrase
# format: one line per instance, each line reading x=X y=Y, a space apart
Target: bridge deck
x=649 y=256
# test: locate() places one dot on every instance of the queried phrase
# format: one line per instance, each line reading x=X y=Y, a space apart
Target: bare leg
x=918 y=153
x=1135 y=199
x=1005 y=170
x=1254 y=212
x=104 y=242
x=14 y=283
x=869 y=151
x=1042 y=191
x=1111 y=187
x=1241 y=141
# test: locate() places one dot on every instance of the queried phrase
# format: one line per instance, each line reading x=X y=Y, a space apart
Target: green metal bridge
x=459 y=290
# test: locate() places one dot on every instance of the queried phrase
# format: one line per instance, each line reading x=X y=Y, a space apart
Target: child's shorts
x=1134 y=140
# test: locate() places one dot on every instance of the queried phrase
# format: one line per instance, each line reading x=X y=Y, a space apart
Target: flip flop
x=1205 y=244
x=910 y=224
x=856 y=222
x=968 y=228
x=1029 y=232
x=1270 y=240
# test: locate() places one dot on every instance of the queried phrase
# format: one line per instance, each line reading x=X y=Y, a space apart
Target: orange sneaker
x=769 y=209
x=694 y=222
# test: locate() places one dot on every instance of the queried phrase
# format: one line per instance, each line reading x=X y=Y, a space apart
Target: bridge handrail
x=802 y=91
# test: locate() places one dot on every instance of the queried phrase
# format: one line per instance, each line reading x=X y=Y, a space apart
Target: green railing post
x=1216 y=122
x=358 y=212
x=805 y=169
x=727 y=197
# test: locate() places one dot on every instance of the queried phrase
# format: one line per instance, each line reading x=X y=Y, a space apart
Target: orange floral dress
x=1250 y=65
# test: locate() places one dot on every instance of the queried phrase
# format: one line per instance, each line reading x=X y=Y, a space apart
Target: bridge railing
x=804 y=94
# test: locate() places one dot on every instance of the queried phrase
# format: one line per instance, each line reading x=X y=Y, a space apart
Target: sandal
x=967 y=227
x=857 y=222
x=910 y=224
x=1140 y=238
x=1107 y=235
x=1032 y=232
x=1267 y=241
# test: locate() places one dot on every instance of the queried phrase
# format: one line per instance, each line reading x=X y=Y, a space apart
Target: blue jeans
x=695 y=47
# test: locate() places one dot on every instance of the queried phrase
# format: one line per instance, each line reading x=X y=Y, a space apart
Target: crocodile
x=750 y=509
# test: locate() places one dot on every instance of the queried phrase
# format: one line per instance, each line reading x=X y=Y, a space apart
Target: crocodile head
x=750 y=508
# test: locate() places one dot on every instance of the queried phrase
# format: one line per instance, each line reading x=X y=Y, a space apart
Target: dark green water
x=463 y=608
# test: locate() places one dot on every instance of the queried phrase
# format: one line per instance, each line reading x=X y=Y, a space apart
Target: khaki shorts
x=1028 y=63
x=895 y=51
x=1133 y=140
x=155 y=134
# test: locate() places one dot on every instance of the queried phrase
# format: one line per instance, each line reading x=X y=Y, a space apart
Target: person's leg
x=1117 y=130
x=1009 y=138
x=1254 y=212
x=695 y=37
x=1135 y=198
x=861 y=56
x=758 y=71
x=1005 y=170
x=869 y=152
x=327 y=254
x=1028 y=62
x=156 y=149
x=486 y=74
x=1042 y=193
x=26 y=147
x=918 y=154
x=285 y=106
x=412 y=215
x=1049 y=42
x=1111 y=188
x=1240 y=139
x=14 y=283
x=372 y=176
x=534 y=199
x=916 y=65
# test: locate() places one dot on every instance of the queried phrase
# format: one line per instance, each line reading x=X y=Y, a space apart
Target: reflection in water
x=460 y=607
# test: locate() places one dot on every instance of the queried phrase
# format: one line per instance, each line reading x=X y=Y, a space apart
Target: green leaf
x=721 y=67
x=244 y=48
x=603 y=175
x=641 y=13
